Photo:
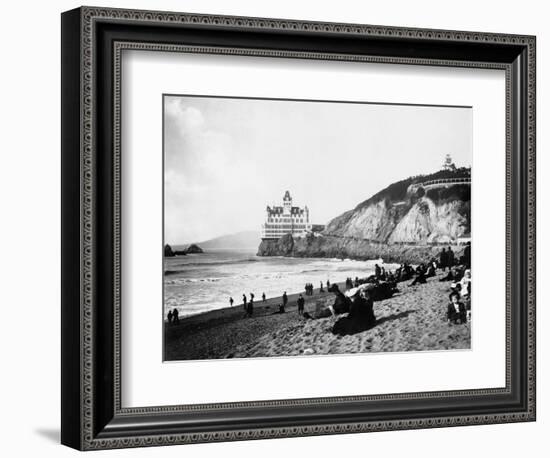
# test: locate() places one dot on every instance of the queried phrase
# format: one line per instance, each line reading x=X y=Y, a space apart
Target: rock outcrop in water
x=407 y=221
x=170 y=252
x=193 y=249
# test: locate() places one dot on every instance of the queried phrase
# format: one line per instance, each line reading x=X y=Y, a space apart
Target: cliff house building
x=286 y=219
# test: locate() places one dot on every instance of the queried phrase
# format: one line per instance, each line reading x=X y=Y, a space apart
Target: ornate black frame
x=92 y=42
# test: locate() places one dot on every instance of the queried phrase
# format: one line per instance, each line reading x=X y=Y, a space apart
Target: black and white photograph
x=309 y=228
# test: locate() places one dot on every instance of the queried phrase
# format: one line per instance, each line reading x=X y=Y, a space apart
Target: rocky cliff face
x=429 y=222
x=373 y=222
x=347 y=248
x=419 y=221
x=401 y=223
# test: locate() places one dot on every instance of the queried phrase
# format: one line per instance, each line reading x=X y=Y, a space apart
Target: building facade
x=286 y=219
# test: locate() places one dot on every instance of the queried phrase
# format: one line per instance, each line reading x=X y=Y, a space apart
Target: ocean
x=200 y=282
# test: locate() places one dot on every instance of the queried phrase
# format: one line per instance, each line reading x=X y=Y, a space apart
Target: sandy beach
x=413 y=319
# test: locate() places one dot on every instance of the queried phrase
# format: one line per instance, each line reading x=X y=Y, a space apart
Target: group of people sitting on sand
x=423 y=272
x=459 y=308
x=360 y=308
x=351 y=283
x=459 y=273
x=357 y=301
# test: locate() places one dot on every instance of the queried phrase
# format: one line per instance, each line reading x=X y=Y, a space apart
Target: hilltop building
x=448 y=164
x=450 y=175
x=286 y=219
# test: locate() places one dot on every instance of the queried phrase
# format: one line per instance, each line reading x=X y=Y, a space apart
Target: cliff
x=404 y=222
x=348 y=248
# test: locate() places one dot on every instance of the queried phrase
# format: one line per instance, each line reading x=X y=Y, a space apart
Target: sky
x=225 y=159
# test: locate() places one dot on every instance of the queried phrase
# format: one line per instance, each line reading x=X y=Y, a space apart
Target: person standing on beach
x=175 y=316
x=231 y=301
x=450 y=258
x=250 y=306
x=301 y=302
x=321 y=290
x=468 y=255
x=244 y=302
x=285 y=300
x=328 y=285
x=443 y=259
x=170 y=316
x=263 y=297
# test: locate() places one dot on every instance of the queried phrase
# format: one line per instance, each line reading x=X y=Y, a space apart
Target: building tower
x=287 y=204
x=448 y=164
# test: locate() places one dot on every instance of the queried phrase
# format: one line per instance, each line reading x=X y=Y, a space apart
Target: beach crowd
x=360 y=293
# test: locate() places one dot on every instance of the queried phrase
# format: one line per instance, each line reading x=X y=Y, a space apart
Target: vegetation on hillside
x=398 y=201
x=397 y=191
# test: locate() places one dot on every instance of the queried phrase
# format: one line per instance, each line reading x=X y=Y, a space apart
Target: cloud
x=186 y=117
x=204 y=173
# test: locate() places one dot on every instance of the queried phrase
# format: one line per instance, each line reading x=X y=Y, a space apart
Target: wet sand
x=413 y=319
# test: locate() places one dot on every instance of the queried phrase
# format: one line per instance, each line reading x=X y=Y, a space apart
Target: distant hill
x=238 y=240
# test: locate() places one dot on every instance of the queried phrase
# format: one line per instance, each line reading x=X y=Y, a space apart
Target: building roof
x=287 y=196
x=278 y=210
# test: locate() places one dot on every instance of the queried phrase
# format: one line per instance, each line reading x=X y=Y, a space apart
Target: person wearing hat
x=301 y=301
x=456 y=311
x=363 y=306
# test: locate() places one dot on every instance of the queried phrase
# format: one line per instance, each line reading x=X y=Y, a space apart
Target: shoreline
x=271 y=303
x=413 y=319
x=363 y=268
